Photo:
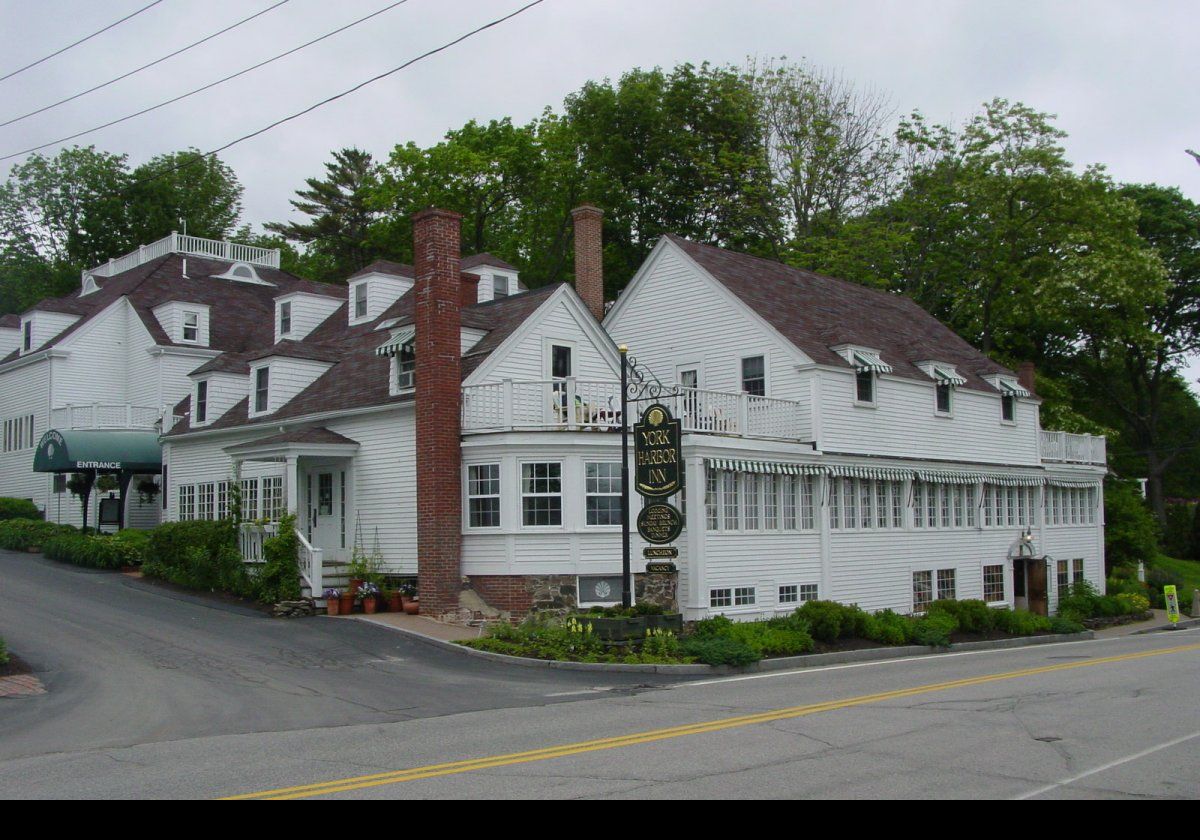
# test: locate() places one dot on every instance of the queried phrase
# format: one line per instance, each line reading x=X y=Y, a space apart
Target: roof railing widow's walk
x=180 y=243
x=575 y=404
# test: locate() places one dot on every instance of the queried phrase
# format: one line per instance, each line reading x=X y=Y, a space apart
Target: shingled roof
x=817 y=313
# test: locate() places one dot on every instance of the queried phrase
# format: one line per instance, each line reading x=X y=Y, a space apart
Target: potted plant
x=408 y=598
x=333 y=601
x=368 y=592
x=346 y=602
x=394 y=603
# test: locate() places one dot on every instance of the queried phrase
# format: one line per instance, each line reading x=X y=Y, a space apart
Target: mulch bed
x=15 y=666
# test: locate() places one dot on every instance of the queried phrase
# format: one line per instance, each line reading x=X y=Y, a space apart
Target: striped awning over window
x=946 y=374
x=1072 y=482
x=864 y=361
x=1011 y=389
x=399 y=338
x=876 y=473
x=738 y=465
x=949 y=477
x=1013 y=480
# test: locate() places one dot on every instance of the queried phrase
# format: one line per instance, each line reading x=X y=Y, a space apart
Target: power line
x=80 y=41
x=145 y=66
x=208 y=86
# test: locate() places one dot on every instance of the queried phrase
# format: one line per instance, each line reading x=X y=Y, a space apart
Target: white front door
x=326 y=520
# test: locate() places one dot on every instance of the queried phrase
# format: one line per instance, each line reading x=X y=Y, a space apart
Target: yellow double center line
x=452 y=768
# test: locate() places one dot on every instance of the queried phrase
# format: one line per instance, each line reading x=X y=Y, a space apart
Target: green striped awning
x=1072 y=482
x=1011 y=389
x=401 y=337
x=949 y=477
x=949 y=375
x=1013 y=480
x=864 y=361
x=779 y=468
x=876 y=473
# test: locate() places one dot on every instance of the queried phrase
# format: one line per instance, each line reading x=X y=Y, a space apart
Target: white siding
x=25 y=391
x=46 y=325
x=225 y=390
x=95 y=367
x=308 y=312
x=10 y=340
x=288 y=378
x=529 y=359
x=170 y=316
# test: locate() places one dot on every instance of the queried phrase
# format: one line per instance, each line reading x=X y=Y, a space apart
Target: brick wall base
x=520 y=595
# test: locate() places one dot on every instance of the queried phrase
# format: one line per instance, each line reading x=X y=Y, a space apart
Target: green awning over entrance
x=101 y=450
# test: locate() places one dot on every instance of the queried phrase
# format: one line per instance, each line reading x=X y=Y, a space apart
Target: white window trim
x=183 y=327
x=610 y=603
x=548 y=345
x=874 y=402
x=521 y=495
x=467 y=497
x=394 y=388
x=290 y=318
x=583 y=520
x=741 y=381
x=253 y=407
x=355 y=318
x=196 y=421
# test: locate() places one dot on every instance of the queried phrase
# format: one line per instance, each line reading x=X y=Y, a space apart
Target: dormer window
x=201 y=413
x=1008 y=408
x=945 y=380
x=262 y=389
x=27 y=336
x=499 y=286
x=864 y=384
x=405 y=365
x=285 y=317
x=360 y=301
x=944 y=391
x=1010 y=390
x=191 y=327
x=399 y=349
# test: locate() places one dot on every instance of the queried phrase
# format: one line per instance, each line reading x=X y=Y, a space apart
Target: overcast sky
x=1121 y=76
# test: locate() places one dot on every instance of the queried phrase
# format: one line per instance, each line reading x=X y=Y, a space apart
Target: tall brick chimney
x=438 y=290
x=1025 y=375
x=589 y=257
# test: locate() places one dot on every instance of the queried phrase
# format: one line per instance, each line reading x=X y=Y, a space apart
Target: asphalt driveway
x=128 y=662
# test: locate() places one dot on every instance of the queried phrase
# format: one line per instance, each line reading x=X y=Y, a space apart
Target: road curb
x=781 y=664
x=1185 y=624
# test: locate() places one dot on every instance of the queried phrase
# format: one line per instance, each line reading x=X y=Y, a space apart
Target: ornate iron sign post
x=659 y=471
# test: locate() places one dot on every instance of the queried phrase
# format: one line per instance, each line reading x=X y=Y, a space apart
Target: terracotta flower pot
x=355 y=583
x=411 y=607
x=394 y=604
x=333 y=606
x=346 y=603
x=369 y=605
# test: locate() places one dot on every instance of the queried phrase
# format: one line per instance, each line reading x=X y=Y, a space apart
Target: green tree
x=338 y=234
x=183 y=190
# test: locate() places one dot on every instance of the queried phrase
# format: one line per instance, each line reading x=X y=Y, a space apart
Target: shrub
x=771 y=638
x=18 y=509
x=890 y=628
x=1132 y=603
x=718 y=625
x=1081 y=600
x=1130 y=533
x=135 y=543
x=935 y=629
x=972 y=616
x=197 y=554
x=23 y=534
x=90 y=551
x=1020 y=622
x=1064 y=624
x=827 y=620
x=719 y=650
x=279 y=577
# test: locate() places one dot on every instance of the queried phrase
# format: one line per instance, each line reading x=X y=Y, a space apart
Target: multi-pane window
x=993 y=584
x=27 y=336
x=405 y=366
x=754 y=375
x=205 y=498
x=743 y=596
x=729 y=499
x=807 y=515
x=262 y=388
x=1008 y=408
x=944 y=404
x=970 y=503
x=222 y=499
x=770 y=492
x=1063 y=575
x=499 y=285
x=793 y=593
x=789 y=501
x=864 y=386
x=272 y=498
x=603 y=493
x=18 y=433
x=720 y=597
x=1077 y=570
x=752 y=500
x=922 y=590
x=201 y=401
x=711 y=508
x=249 y=499
x=285 y=317
x=483 y=495
x=191 y=326
x=541 y=494
x=360 y=300
x=946 y=584
x=187 y=502
x=835 y=503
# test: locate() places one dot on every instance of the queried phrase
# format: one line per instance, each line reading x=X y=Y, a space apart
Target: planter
x=668 y=621
x=369 y=605
x=346 y=603
x=616 y=629
x=412 y=607
x=333 y=606
x=394 y=603
x=355 y=583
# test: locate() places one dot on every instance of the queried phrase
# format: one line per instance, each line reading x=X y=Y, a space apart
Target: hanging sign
x=656 y=453
x=660 y=552
x=659 y=523
x=661 y=567
x=1171 y=598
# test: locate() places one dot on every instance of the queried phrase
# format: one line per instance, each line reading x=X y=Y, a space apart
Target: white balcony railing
x=178 y=243
x=1074 y=449
x=105 y=416
x=250 y=540
x=588 y=405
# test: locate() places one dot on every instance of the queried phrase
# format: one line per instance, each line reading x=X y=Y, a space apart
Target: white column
x=291 y=481
x=821 y=485
x=694 y=601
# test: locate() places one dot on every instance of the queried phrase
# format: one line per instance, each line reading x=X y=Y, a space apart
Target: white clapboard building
x=839 y=442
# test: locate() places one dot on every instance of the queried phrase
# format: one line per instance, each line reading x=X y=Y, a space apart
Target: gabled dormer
x=945 y=380
x=277 y=377
x=371 y=291
x=213 y=394
x=184 y=322
x=1010 y=390
x=497 y=279
x=868 y=364
x=299 y=313
x=39 y=326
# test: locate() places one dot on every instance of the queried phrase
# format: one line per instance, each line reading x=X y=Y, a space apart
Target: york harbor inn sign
x=659 y=476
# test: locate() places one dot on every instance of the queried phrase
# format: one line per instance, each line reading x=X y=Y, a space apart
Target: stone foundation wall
x=659 y=589
x=520 y=595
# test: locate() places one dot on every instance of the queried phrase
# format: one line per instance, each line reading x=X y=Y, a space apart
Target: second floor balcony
x=580 y=405
x=1067 y=448
x=106 y=416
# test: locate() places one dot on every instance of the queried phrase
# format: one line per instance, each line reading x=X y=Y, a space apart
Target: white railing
x=1076 y=449
x=250 y=540
x=581 y=404
x=105 y=416
x=312 y=566
x=178 y=243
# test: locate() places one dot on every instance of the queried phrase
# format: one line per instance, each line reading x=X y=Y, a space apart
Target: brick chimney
x=469 y=291
x=589 y=257
x=438 y=291
x=1025 y=375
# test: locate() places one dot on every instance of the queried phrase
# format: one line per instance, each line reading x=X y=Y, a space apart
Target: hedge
x=11 y=508
x=23 y=534
x=91 y=551
x=198 y=554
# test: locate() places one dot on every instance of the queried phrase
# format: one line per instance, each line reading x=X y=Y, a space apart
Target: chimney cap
x=586 y=210
x=436 y=212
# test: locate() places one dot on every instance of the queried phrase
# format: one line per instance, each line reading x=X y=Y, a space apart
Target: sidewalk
x=1157 y=623
x=422 y=626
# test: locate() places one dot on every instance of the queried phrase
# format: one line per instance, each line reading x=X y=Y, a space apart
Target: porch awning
x=877 y=473
x=103 y=450
x=401 y=337
x=864 y=361
x=739 y=465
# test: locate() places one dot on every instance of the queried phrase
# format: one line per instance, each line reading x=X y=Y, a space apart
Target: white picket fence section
x=104 y=416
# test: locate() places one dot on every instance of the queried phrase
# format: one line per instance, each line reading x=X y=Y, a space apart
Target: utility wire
x=145 y=66
x=80 y=41
x=209 y=86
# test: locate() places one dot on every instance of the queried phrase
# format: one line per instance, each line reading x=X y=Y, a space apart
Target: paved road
x=1108 y=718
x=128 y=662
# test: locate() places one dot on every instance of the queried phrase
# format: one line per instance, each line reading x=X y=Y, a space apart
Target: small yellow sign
x=1171 y=597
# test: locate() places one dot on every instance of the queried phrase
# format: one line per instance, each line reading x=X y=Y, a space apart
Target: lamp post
x=626 y=576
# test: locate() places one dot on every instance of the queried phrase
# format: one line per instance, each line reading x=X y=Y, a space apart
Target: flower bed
x=818 y=626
